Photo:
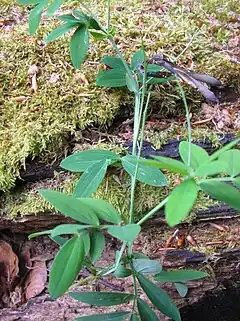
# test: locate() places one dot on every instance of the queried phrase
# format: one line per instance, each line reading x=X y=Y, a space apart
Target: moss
x=40 y=126
x=158 y=137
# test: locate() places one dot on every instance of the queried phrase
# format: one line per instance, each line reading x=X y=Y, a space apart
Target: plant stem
x=219 y=179
x=115 y=47
x=118 y=260
x=153 y=211
x=136 y=122
x=188 y=120
x=135 y=292
x=139 y=107
x=138 y=110
x=144 y=117
x=85 y=281
x=108 y=16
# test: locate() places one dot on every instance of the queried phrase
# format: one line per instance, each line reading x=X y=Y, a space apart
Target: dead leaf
x=191 y=240
x=36 y=279
x=16 y=297
x=20 y=99
x=8 y=265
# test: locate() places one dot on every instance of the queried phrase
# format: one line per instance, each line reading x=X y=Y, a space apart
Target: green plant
x=199 y=171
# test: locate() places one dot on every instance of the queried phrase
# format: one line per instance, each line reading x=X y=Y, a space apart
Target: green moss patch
x=40 y=125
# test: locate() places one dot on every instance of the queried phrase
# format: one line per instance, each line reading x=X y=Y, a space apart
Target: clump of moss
x=158 y=137
x=40 y=125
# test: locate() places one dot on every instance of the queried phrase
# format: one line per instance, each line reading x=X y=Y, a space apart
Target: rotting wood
x=36 y=171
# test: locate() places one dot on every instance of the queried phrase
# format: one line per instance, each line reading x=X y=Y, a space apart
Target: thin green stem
x=144 y=117
x=115 y=47
x=118 y=260
x=135 y=292
x=153 y=211
x=139 y=154
x=219 y=179
x=108 y=16
x=187 y=118
x=138 y=110
x=85 y=281
x=143 y=93
x=136 y=122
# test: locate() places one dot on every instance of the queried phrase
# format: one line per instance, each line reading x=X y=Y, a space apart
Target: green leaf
x=97 y=241
x=145 y=312
x=54 y=6
x=61 y=30
x=68 y=18
x=224 y=149
x=236 y=181
x=138 y=58
x=126 y=233
x=82 y=17
x=222 y=192
x=154 y=68
x=71 y=206
x=181 y=288
x=159 y=298
x=122 y=272
x=86 y=241
x=198 y=155
x=66 y=266
x=47 y=232
x=91 y=179
x=154 y=81
x=113 y=62
x=111 y=78
x=134 y=317
x=179 y=276
x=213 y=168
x=68 y=229
x=232 y=159
x=131 y=84
x=181 y=201
x=59 y=240
x=81 y=161
x=102 y=298
x=115 y=316
x=98 y=35
x=103 y=210
x=35 y=16
x=146 y=266
x=29 y=1
x=93 y=24
x=162 y=162
x=79 y=44
x=146 y=174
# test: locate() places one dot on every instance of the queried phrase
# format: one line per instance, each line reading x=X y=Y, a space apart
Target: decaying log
x=33 y=223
